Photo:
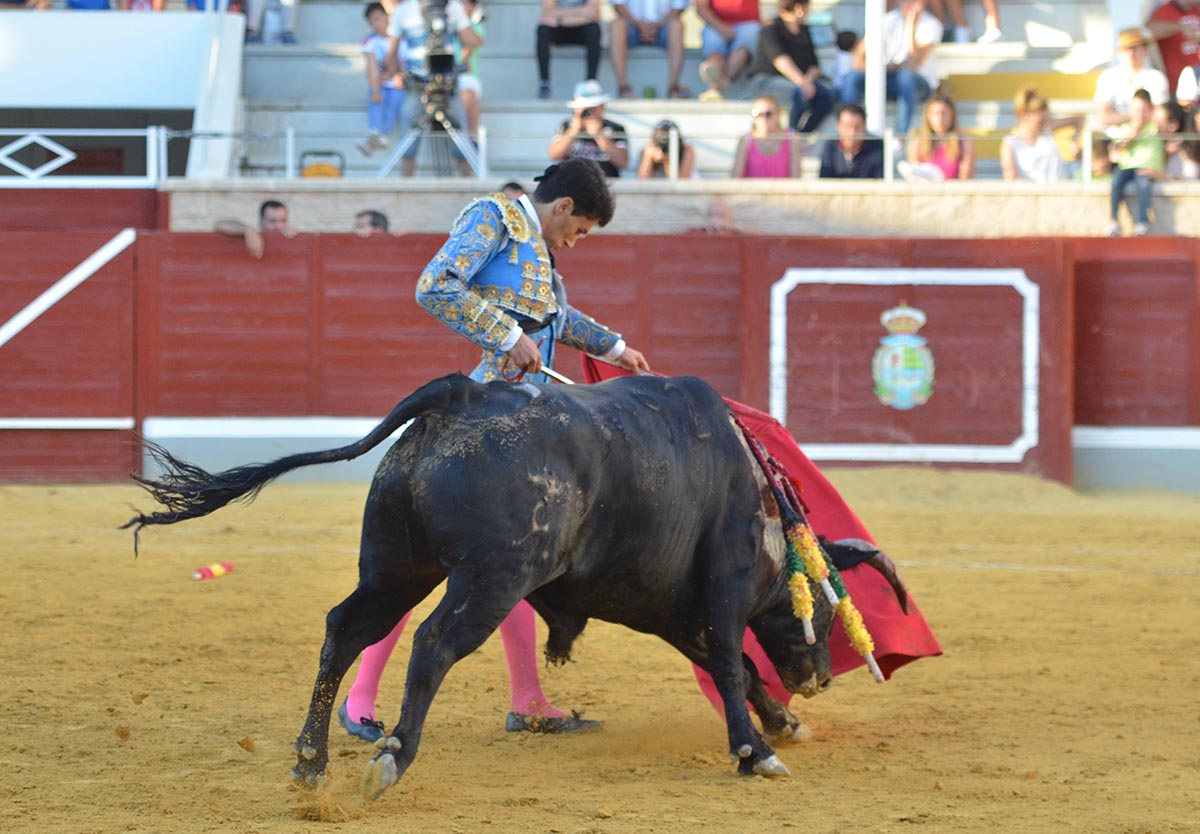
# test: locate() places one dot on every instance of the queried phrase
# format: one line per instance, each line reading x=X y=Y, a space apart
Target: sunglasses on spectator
x=760 y=113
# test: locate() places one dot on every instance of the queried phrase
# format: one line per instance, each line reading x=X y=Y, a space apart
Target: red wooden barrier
x=327 y=325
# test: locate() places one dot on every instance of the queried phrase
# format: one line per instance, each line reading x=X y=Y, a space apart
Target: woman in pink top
x=938 y=143
x=769 y=150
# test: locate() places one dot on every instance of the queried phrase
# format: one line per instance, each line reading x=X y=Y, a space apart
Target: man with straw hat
x=1132 y=72
x=588 y=134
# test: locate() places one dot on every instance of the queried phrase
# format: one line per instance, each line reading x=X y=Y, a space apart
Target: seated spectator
x=939 y=151
x=854 y=154
x=951 y=12
x=843 y=61
x=1176 y=27
x=141 y=5
x=1116 y=85
x=909 y=36
x=272 y=217
x=1030 y=152
x=1102 y=165
x=769 y=150
x=1138 y=161
x=728 y=40
x=656 y=155
x=385 y=91
x=234 y=7
x=1181 y=155
x=785 y=67
x=370 y=222
x=648 y=23
x=89 y=5
x=568 y=22
x=255 y=12
x=588 y=134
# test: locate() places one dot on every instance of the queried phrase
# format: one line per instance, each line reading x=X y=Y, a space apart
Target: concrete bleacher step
x=318 y=86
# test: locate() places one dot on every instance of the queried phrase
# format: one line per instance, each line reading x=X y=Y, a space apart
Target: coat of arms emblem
x=902 y=366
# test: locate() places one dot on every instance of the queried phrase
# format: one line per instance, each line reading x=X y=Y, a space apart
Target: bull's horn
x=880 y=561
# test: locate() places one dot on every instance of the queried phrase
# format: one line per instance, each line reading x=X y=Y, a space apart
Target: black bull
x=634 y=501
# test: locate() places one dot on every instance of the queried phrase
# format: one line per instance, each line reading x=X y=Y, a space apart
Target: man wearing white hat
x=588 y=134
x=1117 y=84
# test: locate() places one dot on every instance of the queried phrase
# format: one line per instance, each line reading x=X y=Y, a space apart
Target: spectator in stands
x=89 y=5
x=656 y=155
x=513 y=190
x=843 y=61
x=718 y=220
x=785 y=66
x=466 y=61
x=728 y=41
x=588 y=134
x=769 y=150
x=1116 y=85
x=407 y=25
x=1138 y=162
x=951 y=12
x=1181 y=156
x=1102 y=165
x=385 y=91
x=256 y=10
x=36 y=5
x=854 y=154
x=370 y=222
x=910 y=34
x=141 y=5
x=648 y=23
x=234 y=6
x=1176 y=27
x=939 y=151
x=272 y=217
x=1030 y=152
x=568 y=22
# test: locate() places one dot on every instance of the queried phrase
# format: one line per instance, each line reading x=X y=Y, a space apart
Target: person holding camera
x=588 y=134
x=656 y=156
x=409 y=25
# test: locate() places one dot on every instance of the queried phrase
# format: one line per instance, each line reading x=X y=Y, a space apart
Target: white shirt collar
x=527 y=206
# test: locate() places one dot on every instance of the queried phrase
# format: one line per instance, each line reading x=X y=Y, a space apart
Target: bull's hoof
x=574 y=723
x=771 y=766
x=308 y=773
x=379 y=775
x=793 y=735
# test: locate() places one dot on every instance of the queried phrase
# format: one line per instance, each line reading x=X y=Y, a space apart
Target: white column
x=875 y=95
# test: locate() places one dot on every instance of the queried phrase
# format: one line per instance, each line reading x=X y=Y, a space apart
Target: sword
x=553 y=374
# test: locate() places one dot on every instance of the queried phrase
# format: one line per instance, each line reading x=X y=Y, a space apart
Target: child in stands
x=1138 y=161
x=385 y=91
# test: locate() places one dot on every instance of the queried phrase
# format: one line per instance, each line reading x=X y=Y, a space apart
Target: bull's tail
x=187 y=491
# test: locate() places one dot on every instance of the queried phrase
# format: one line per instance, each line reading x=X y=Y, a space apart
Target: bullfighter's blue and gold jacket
x=494 y=274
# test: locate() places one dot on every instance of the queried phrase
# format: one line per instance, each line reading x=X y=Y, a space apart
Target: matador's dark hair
x=584 y=182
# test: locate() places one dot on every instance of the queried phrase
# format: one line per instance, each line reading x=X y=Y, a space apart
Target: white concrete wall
x=66 y=59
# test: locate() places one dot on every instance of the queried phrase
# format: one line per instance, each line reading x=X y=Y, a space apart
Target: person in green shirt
x=1138 y=161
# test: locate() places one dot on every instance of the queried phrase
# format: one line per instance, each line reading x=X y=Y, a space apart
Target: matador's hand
x=525 y=355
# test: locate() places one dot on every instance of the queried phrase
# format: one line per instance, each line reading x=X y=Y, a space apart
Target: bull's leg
x=746 y=746
x=363 y=618
x=472 y=609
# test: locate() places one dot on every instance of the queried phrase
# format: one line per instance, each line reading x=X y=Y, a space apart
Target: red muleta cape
x=899 y=638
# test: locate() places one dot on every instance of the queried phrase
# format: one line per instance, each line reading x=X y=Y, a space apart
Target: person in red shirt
x=1176 y=27
x=728 y=40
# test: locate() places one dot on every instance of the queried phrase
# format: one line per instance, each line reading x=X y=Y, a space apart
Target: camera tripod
x=435 y=126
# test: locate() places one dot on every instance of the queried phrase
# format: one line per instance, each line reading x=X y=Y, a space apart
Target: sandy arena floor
x=136 y=699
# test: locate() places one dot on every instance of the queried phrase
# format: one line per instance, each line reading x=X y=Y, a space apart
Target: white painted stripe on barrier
x=89 y=267
x=352 y=428
x=1048 y=568
x=66 y=423
x=1013 y=452
x=1136 y=437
